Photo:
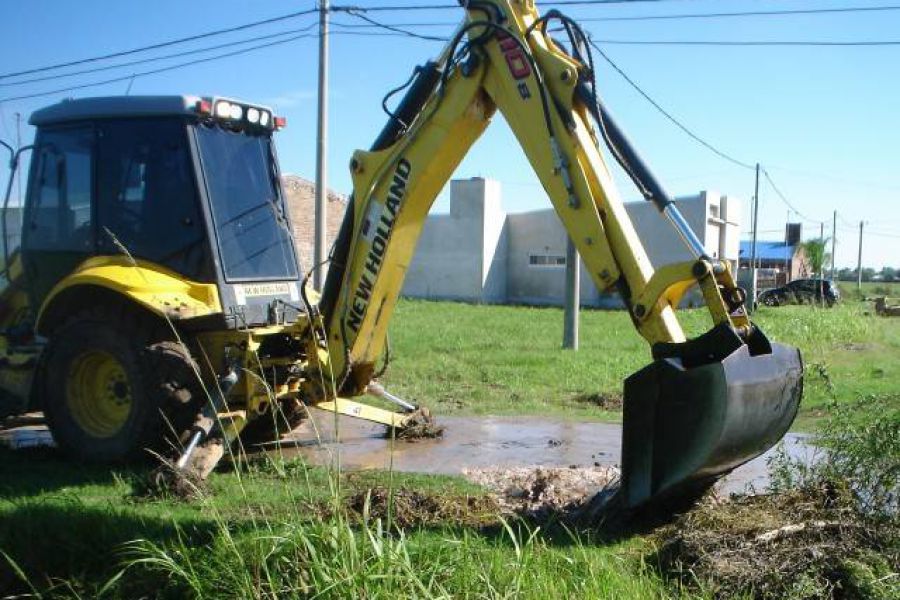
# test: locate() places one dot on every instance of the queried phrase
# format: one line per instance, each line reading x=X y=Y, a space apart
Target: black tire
x=271 y=426
x=771 y=300
x=155 y=381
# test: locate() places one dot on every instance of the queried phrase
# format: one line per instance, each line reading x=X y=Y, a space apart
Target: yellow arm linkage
x=524 y=74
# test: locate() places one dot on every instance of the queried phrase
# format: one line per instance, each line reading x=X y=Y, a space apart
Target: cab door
x=58 y=231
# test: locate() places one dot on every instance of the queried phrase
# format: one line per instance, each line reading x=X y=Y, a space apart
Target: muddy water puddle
x=471 y=444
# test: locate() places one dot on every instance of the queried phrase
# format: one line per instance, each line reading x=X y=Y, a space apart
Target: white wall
x=462 y=255
x=540 y=232
x=478 y=253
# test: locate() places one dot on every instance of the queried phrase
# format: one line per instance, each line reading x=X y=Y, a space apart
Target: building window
x=546 y=260
x=714 y=211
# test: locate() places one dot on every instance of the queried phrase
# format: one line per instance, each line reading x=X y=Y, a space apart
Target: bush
x=860 y=447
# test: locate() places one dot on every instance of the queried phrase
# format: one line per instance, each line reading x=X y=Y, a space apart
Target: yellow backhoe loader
x=156 y=294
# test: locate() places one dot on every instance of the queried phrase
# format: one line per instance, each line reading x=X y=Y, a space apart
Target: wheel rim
x=98 y=393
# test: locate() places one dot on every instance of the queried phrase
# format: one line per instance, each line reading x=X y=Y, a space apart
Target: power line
x=883 y=233
x=786 y=201
x=682 y=16
x=667 y=114
x=595 y=2
x=754 y=13
x=399 y=30
x=780 y=43
x=370 y=26
x=161 y=44
x=161 y=69
x=833 y=178
x=418 y=7
x=158 y=58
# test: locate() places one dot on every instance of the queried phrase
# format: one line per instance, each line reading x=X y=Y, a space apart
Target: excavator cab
x=148 y=221
x=188 y=184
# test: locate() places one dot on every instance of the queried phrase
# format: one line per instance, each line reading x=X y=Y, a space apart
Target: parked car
x=802 y=291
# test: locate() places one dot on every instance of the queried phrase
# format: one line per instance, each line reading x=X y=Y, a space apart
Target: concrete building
x=479 y=253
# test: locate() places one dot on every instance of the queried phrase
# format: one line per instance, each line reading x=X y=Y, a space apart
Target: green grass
x=504 y=360
x=869 y=289
x=282 y=529
x=279 y=531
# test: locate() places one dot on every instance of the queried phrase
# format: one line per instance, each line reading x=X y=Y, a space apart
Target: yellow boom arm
x=513 y=65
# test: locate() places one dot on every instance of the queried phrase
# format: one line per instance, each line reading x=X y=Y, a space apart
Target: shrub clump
x=813 y=542
x=405 y=508
x=829 y=529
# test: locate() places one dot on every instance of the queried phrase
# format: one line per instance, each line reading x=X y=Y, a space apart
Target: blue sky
x=823 y=121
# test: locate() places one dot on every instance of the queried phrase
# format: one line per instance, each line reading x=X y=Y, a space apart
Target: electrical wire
x=754 y=13
x=779 y=43
x=785 y=200
x=162 y=57
x=666 y=113
x=419 y=7
x=681 y=16
x=359 y=15
x=165 y=44
x=161 y=69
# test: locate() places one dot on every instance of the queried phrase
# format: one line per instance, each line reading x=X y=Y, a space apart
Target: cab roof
x=107 y=107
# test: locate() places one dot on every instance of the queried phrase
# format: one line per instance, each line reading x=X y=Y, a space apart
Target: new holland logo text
x=378 y=245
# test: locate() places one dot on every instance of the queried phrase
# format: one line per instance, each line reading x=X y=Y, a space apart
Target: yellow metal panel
x=363 y=411
x=395 y=188
x=160 y=290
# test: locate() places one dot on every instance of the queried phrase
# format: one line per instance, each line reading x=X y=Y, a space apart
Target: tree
x=816 y=254
x=846 y=274
x=888 y=273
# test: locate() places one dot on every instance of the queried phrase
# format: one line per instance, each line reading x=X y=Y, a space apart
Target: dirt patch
x=166 y=482
x=419 y=426
x=856 y=346
x=611 y=401
x=411 y=508
x=543 y=492
x=810 y=543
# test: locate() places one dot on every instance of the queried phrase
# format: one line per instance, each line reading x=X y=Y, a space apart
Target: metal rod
x=208 y=420
x=684 y=230
x=573 y=296
x=18 y=145
x=189 y=450
x=321 y=149
x=13 y=167
x=755 y=220
x=859 y=260
x=822 y=264
x=833 y=241
x=641 y=173
x=377 y=390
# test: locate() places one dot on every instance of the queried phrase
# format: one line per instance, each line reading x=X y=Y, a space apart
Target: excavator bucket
x=701 y=409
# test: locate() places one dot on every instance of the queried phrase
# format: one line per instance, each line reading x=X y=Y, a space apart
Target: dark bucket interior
x=686 y=424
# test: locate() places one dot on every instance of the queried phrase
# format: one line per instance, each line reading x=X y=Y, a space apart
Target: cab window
x=61 y=217
x=148 y=203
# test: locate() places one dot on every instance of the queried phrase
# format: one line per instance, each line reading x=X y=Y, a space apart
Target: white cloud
x=289 y=99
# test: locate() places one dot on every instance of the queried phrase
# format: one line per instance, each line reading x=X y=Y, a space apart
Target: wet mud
x=486 y=449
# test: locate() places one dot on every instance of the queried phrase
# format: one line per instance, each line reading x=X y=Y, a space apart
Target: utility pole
x=859 y=260
x=822 y=264
x=321 y=148
x=787 y=271
x=18 y=145
x=833 y=242
x=753 y=243
x=573 y=296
